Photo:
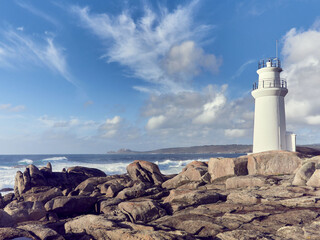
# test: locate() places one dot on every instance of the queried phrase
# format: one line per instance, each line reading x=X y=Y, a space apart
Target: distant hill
x=233 y=148
x=311 y=149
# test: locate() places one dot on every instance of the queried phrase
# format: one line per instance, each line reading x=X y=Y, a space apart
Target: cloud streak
x=152 y=45
x=18 y=50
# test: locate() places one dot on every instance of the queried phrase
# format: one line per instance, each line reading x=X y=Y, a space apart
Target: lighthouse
x=269 y=116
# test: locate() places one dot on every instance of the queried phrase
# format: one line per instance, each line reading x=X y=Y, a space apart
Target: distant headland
x=310 y=149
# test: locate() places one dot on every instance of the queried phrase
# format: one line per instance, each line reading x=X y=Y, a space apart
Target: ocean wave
x=55 y=159
x=27 y=161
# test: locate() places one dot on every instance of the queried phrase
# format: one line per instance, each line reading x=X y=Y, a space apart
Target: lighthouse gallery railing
x=270 y=84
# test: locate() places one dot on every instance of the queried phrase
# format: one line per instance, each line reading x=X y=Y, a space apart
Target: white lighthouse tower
x=269 y=115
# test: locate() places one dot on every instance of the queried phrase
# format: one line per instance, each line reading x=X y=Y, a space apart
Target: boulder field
x=270 y=195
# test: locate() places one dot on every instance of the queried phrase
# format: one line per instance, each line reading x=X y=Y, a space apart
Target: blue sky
x=94 y=76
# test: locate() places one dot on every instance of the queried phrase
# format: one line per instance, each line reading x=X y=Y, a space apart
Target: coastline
x=223 y=198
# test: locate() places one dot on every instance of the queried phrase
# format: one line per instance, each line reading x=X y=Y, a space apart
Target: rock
x=242 y=234
x=90 y=184
x=135 y=191
x=42 y=232
x=36 y=176
x=222 y=167
x=100 y=228
x=179 y=199
x=33 y=195
x=273 y=163
x=304 y=173
x=245 y=181
x=194 y=171
x=22 y=183
x=142 y=211
x=312 y=231
x=7 y=199
x=290 y=232
x=69 y=206
x=243 y=198
x=193 y=223
x=314 y=180
x=25 y=211
x=145 y=171
x=94 y=225
x=5 y=219
x=78 y=174
x=15 y=233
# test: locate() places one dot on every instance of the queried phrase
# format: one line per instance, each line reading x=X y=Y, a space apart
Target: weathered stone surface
x=69 y=206
x=13 y=233
x=43 y=197
x=135 y=191
x=245 y=181
x=142 y=211
x=25 y=211
x=193 y=172
x=179 y=199
x=312 y=231
x=78 y=174
x=100 y=228
x=290 y=232
x=145 y=171
x=273 y=162
x=90 y=184
x=5 y=219
x=242 y=234
x=314 y=180
x=243 y=198
x=304 y=173
x=222 y=167
x=193 y=223
x=41 y=231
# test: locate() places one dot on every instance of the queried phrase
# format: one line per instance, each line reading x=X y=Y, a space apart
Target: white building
x=269 y=115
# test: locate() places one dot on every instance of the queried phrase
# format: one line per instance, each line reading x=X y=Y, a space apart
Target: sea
x=109 y=163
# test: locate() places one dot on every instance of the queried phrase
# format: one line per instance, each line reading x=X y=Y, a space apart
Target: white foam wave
x=55 y=159
x=27 y=161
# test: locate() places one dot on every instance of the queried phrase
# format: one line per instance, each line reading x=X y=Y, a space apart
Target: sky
x=96 y=76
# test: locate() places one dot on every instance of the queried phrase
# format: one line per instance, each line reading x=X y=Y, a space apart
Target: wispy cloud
x=38 y=12
x=18 y=50
x=242 y=68
x=8 y=107
x=152 y=46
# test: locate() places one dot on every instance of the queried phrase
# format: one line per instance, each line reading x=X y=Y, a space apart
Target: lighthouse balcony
x=282 y=83
x=269 y=62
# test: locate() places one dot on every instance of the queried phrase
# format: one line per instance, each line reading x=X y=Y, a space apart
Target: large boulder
x=193 y=172
x=8 y=233
x=179 y=199
x=304 y=173
x=142 y=211
x=314 y=180
x=90 y=184
x=69 y=206
x=273 y=163
x=245 y=181
x=137 y=190
x=145 y=171
x=41 y=194
x=41 y=231
x=25 y=211
x=223 y=167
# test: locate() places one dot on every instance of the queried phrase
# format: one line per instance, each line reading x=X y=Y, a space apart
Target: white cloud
x=110 y=127
x=235 y=133
x=18 y=50
x=152 y=45
x=20 y=29
x=155 y=122
x=55 y=123
x=301 y=50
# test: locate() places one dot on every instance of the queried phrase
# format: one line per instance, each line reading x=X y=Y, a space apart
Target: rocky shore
x=271 y=195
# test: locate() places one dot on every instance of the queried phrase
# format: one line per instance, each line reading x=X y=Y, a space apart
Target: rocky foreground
x=271 y=195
